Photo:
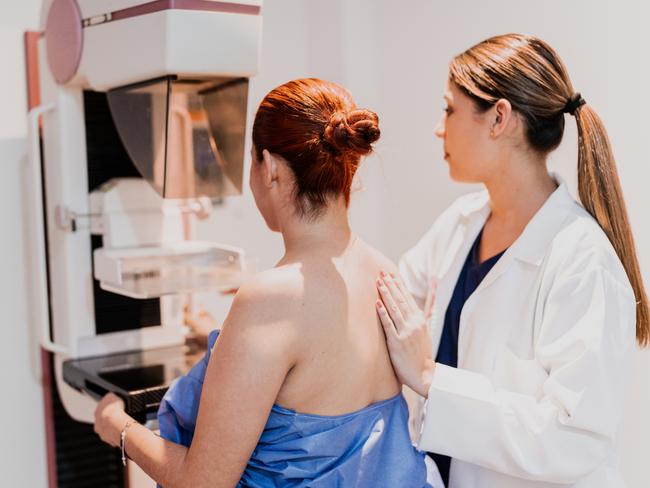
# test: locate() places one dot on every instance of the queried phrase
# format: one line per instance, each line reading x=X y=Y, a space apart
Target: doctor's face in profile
x=465 y=133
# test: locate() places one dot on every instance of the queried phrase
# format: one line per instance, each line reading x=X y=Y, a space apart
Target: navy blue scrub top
x=470 y=277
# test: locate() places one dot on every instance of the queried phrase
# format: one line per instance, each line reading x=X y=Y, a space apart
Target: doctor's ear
x=501 y=115
x=269 y=168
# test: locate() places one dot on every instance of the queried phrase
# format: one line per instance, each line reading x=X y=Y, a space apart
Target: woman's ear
x=502 y=114
x=269 y=169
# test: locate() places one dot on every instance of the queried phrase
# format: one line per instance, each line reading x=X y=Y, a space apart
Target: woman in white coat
x=516 y=314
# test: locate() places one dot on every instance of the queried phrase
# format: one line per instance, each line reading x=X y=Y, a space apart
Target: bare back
x=343 y=363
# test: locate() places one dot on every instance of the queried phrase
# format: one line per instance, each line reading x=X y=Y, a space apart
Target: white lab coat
x=545 y=352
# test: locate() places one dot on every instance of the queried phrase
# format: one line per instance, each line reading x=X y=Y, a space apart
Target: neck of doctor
x=519 y=189
x=330 y=232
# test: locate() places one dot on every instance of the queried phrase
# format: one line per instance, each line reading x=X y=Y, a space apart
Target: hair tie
x=573 y=103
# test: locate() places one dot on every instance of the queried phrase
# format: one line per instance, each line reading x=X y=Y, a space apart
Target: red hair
x=316 y=127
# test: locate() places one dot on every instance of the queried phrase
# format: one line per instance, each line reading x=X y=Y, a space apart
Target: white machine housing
x=201 y=39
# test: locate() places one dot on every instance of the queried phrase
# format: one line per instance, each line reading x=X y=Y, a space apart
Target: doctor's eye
x=448 y=110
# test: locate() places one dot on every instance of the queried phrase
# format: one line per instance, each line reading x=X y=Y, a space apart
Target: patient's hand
x=407 y=334
x=110 y=418
x=201 y=322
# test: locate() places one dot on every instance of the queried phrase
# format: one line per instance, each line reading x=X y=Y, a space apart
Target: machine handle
x=39 y=282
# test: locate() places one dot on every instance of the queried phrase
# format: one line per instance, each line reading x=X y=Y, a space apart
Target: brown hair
x=529 y=74
x=317 y=128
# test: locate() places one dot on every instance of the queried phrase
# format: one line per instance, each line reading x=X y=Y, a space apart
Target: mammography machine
x=137 y=123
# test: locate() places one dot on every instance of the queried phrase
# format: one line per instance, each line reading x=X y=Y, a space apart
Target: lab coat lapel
x=530 y=247
x=472 y=220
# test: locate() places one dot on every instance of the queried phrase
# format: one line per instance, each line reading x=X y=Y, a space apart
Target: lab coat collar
x=532 y=244
x=480 y=204
x=534 y=241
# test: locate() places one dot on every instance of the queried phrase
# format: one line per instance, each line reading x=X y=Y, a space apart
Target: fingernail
x=382 y=273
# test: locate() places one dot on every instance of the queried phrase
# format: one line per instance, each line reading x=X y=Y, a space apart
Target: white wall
x=393 y=56
x=22 y=453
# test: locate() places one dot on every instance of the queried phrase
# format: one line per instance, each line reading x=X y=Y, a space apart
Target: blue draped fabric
x=367 y=448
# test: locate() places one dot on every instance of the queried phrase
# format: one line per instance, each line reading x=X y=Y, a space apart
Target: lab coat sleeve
x=585 y=344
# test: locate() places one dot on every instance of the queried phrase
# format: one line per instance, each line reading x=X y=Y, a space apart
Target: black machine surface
x=140 y=378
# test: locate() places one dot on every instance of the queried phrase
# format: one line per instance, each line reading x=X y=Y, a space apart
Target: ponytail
x=528 y=72
x=600 y=192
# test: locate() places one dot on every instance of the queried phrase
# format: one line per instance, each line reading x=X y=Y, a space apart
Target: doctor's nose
x=439 y=129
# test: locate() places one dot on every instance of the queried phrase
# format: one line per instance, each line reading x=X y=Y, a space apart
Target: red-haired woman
x=537 y=298
x=299 y=389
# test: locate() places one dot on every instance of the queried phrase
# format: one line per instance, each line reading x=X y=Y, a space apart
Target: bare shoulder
x=381 y=261
x=283 y=282
x=264 y=319
x=270 y=296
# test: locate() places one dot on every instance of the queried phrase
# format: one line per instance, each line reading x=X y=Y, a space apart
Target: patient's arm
x=252 y=356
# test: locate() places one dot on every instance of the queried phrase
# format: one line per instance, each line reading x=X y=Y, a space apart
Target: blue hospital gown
x=367 y=448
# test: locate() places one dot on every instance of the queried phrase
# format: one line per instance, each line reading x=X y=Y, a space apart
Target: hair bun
x=354 y=131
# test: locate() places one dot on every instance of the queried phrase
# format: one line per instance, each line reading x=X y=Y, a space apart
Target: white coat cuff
x=442 y=407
